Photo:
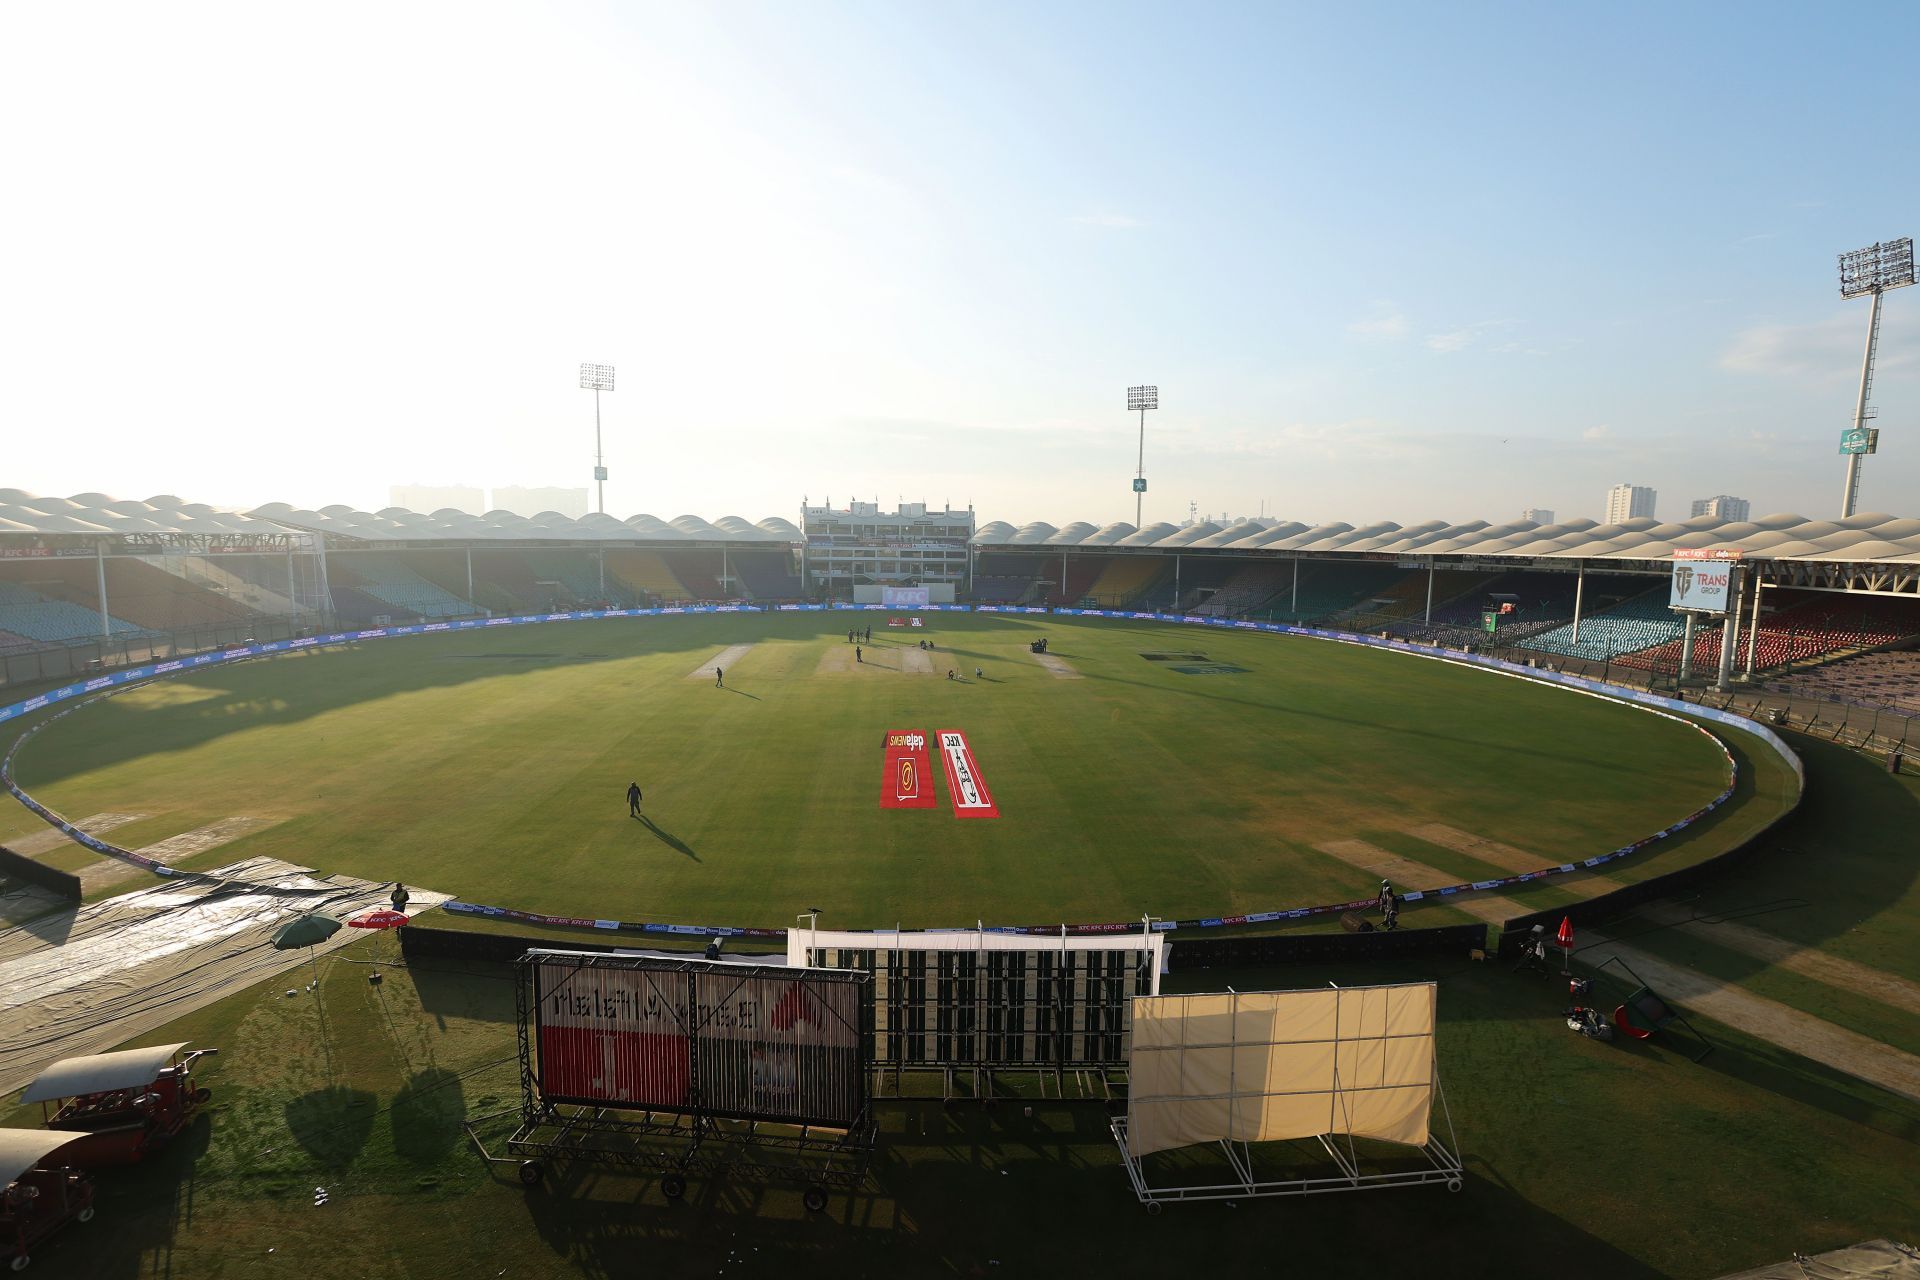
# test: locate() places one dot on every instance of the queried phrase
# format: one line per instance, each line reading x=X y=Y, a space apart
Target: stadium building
x=861 y=545
x=88 y=581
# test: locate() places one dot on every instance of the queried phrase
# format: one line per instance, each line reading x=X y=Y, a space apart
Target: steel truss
x=1443 y=1166
x=678 y=1144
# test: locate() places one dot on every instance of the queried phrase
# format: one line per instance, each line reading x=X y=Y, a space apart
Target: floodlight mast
x=1869 y=272
x=597 y=378
x=1143 y=399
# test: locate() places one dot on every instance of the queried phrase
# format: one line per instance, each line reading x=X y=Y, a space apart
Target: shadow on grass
x=472 y=990
x=1795 y=1079
x=332 y=1124
x=1045 y=1195
x=144 y=1208
x=668 y=838
x=426 y=1116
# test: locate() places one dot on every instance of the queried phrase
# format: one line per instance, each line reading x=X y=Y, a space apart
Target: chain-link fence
x=74 y=661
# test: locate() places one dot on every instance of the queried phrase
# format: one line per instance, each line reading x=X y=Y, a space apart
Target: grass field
x=1584 y=1160
x=493 y=766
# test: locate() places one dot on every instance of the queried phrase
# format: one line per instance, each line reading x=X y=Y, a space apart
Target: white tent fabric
x=22 y=1149
x=99 y=1072
x=1271 y=1065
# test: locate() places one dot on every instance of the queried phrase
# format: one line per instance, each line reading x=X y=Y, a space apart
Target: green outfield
x=1208 y=780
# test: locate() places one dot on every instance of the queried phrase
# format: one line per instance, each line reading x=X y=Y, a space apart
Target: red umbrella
x=386 y=918
x=1564 y=938
x=378 y=918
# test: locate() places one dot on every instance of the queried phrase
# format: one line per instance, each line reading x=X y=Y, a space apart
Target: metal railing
x=90 y=657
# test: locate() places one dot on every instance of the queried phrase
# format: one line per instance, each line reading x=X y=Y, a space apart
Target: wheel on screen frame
x=815 y=1199
x=85 y=1215
x=531 y=1173
x=673 y=1186
x=1454 y=1184
x=1153 y=1208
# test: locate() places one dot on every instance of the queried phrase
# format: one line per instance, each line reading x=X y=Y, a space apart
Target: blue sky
x=1385 y=262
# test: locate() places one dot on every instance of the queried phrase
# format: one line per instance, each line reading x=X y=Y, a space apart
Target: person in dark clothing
x=856 y=654
x=719 y=678
x=1390 y=911
x=849 y=635
x=399 y=897
x=633 y=799
x=869 y=635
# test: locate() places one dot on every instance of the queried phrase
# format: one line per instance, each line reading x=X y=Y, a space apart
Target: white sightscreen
x=1264 y=1066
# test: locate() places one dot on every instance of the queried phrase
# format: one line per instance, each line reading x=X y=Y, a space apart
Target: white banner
x=1703 y=580
x=904 y=597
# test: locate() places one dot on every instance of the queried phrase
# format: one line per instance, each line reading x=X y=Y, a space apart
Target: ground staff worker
x=633 y=799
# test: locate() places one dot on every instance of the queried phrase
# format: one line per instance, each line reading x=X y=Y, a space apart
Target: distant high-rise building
x=1629 y=502
x=429 y=498
x=1539 y=515
x=1723 y=507
x=571 y=503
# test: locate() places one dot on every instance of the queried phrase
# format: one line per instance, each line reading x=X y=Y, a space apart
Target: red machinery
x=39 y=1193
x=119 y=1106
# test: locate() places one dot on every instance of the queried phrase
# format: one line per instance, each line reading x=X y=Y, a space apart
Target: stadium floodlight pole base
x=1443 y=1167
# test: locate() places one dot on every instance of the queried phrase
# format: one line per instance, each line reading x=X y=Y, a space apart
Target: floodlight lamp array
x=596 y=377
x=1876 y=268
x=1142 y=398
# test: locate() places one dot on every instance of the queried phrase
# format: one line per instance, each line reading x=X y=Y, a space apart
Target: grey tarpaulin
x=88 y=978
x=1871 y=1260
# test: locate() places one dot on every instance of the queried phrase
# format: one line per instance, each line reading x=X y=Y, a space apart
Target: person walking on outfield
x=856 y=654
x=1390 y=911
x=719 y=678
x=633 y=799
x=849 y=636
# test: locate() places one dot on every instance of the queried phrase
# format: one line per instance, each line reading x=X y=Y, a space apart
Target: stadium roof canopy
x=397 y=524
x=95 y=513
x=1778 y=537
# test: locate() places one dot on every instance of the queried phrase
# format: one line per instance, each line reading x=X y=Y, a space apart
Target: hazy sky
x=1384 y=262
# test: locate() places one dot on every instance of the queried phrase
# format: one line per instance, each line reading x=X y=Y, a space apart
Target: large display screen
x=758 y=1042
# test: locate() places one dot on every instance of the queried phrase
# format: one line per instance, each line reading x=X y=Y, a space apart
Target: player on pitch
x=633 y=799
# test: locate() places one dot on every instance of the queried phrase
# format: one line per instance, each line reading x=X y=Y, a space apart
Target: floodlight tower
x=597 y=378
x=1143 y=399
x=1869 y=271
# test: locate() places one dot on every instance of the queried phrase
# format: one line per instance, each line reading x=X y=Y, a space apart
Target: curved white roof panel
x=96 y=513
x=1869 y=536
x=22 y=1149
x=100 y=1072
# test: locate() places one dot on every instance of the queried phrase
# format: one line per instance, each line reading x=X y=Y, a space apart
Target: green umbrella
x=309 y=931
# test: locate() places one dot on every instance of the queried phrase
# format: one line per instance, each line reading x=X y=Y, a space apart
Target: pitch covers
x=965 y=787
x=909 y=780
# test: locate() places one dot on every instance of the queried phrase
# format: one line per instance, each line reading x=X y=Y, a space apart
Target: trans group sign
x=1703 y=580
